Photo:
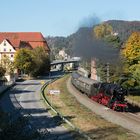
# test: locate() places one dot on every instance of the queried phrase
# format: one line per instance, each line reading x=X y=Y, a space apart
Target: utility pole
x=107 y=73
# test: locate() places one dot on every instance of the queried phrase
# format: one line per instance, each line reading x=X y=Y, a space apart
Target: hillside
x=84 y=44
x=124 y=28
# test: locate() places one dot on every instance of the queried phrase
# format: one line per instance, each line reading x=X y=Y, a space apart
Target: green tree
x=41 y=61
x=114 y=70
x=114 y=40
x=131 y=54
x=24 y=61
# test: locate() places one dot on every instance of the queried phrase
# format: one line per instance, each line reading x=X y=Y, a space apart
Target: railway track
x=128 y=120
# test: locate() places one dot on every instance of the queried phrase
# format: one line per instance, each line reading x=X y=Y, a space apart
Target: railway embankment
x=75 y=132
x=82 y=117
x=118 y=118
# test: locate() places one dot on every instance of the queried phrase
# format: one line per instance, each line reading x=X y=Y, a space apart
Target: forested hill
x=84 y=43
x=124 y=28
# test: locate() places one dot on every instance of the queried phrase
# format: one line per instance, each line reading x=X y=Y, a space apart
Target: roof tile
x=35 y=39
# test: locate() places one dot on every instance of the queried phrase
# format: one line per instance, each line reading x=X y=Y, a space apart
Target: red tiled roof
x=13 y=42
x=34 y=44
x=24 y=36
x=15 y=38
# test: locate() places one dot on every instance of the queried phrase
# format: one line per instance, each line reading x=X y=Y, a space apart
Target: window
x=10 y=50
x=12 y=55
x=4 y=43
x=4 y=49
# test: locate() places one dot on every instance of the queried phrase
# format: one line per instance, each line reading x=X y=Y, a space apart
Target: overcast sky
x=62 y=17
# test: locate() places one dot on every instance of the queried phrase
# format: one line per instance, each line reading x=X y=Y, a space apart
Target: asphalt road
x=25 y=100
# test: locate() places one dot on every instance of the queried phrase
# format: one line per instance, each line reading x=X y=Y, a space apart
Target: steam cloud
x=90 y=21
x=87 y=46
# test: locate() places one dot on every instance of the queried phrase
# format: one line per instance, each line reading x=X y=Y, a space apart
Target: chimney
x=93 y=69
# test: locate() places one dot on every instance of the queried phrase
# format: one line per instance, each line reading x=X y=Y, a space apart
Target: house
x=62 y=54
x=10 y=42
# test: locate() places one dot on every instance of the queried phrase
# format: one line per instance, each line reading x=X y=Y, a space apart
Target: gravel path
x=126 y=120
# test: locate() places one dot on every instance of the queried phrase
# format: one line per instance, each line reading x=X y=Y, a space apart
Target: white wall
x=7 y=48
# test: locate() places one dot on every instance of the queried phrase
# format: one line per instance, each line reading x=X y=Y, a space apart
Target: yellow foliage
x=102 y=30
x=132 y=48
x=131 y=53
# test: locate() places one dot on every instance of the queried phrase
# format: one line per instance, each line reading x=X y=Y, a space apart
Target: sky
x=62 y=17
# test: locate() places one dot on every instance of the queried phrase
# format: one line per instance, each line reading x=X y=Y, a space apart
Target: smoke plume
x=89 y=21
x=87 y=46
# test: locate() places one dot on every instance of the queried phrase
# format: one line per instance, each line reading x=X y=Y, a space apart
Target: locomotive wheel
x=117 y=108
x=126 y=109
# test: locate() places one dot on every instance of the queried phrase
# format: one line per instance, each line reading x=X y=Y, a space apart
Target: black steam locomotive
x=109 y=94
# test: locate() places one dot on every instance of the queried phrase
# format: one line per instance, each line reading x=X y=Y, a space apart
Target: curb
x=59 y=114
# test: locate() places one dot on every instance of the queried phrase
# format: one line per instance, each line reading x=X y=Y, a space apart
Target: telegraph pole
x=107 y=73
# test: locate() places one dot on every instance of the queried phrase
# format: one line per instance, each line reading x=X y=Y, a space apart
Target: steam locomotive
x=109 y=94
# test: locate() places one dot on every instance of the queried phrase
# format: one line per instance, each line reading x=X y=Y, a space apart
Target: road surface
x=25 y=100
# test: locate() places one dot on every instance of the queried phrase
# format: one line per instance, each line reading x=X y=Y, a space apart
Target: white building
x=6 y=49
x=62 y=54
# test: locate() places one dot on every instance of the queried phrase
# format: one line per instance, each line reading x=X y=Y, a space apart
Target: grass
x=135 y=98
x=87 y=121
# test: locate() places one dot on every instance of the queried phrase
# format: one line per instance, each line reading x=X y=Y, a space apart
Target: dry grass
x=135 y=98
x=92 y=124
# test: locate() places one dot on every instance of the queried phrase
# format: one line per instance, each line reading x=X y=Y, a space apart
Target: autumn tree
x=24 y=61
x=131 y=54
x=102 y=30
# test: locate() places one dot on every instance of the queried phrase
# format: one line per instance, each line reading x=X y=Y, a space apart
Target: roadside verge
x=58 y=113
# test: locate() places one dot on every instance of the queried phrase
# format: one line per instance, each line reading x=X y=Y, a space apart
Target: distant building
x=62 y=54
x=76 y=58
x=10 y=42
x=114 y=33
